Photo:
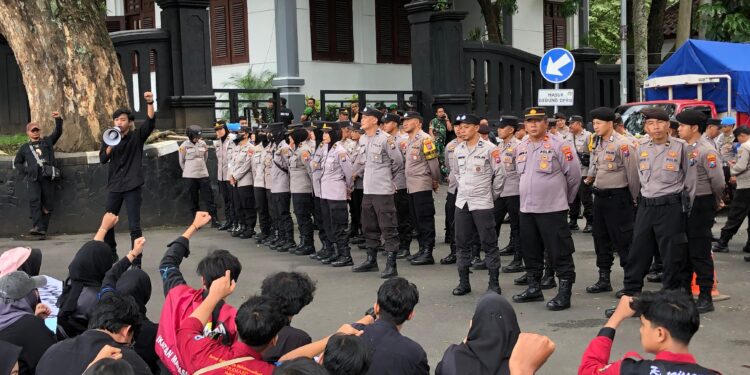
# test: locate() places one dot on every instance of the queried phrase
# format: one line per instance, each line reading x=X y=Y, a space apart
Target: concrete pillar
x=287 y=78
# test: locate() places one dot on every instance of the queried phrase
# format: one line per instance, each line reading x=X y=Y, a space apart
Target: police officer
x=316 y=171
x=450 y=198
x=740 y=206
x=300 y=179
x=268 y=154
x=480 y=179
x=401 y=198
x=355 y=203
x=280 y=191
x=222 y=146
x=382 y=162
x=725 y=143
x=242 y=178
x=509 y=200
x=708 y=192
x=192 y=158
x=614 y=174
x=667 y=189
x=580 y=139
x=259 y=184
x=561 y=129
x=422 y=170
x=335 y=183
x=550 y=175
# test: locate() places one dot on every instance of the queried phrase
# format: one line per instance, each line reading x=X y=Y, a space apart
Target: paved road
x=723 y=342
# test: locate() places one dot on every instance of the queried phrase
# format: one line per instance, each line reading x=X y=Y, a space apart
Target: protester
x=493 y=332
x=300 y=366
x=23 y=259
x=346 y=355
x=181 y=300
x=22 y=319
x=109 y=366
x=9 y=354
x=530 y=353
x=36 y=163
x=669 y=319
x=115 y=321
x=293 y=291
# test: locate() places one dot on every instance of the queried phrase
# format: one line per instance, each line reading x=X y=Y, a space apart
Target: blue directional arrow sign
x=557 y=65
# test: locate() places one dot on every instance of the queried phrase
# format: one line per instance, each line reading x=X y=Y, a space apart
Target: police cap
x=410 y=115
x=506 y=121
x=534 y=112
x=374 y=112
x=575 y=118
x=391 y=117
x=467 y=119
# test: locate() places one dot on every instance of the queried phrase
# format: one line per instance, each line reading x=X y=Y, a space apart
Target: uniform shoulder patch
x=250 y=151
x=343 y=155
x=567 y=152
x=625 y=150
x=711 y=158
x=429 y=149
x=496 y=155
x=305 y=156
x=182 y=149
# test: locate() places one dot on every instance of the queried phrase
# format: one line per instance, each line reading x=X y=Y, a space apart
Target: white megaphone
x=112 y=136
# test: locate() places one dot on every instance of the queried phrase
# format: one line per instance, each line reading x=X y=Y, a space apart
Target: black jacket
x=25 y=162
x=392 y=353
x=33 y=337
x=126 y=159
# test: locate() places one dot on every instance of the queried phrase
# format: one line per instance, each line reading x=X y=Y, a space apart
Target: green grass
x=11 y=143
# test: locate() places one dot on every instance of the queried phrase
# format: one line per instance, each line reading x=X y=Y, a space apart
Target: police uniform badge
x=711 y=160
x=567 y=152
x=496 y=156
x=305 y=156
x=624 y=149
x=429 y=150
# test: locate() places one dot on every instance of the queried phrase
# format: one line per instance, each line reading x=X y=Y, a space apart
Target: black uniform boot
x=548 y=279
x=508 y=250
x=451 y=258
x=403 y=252
x=333 y=255
x=370 y=264
x=720 y=246
x=215 y=223
x=588 y=228
x=247 y=233
x=478 y=264
x=562 y=299
x=390 y=267
x=573 y=225
x=307 y=249
x=602 y=285
x=705 y=302
x=260 y=237
x=464 y=287
x=494 y=283
x=425 y=259
x=416 y=255
x=233 y=228
x=226 y=225
x=532 y=293
x=523 y=280
x=241 y=228
x=515 y=266
x=344 y=259
x=323 y=253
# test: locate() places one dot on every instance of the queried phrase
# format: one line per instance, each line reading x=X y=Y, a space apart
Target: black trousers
x=450 y=219
x=303 y=211
x=739 y=209
x=272 y=213
x=379 y=220
x=355 y=208
x=283 y=216
x=132 y=200
x=659 y=228
x=225 y=190
x=583 y=197
x=509 y=205
x=247 y=214
x=201 y=196
x=548 y=232
x=261 y=209
x=335 y=217
x=472 y=224
x=614 y=214
x=730 y=189
x=403 y=215
x=699 y=241
x=422 y=206
x=318 y=217
x=41 y=196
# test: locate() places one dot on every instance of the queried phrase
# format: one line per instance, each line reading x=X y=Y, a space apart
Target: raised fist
x=149 y=96
x=55 y=114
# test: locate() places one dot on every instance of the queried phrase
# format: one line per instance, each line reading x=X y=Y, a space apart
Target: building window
x=393 y=32
x=229 y=32
x=555 y=27
x=331 y=30
x=139 y=14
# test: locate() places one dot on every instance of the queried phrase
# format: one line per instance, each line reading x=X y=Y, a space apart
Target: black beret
x=560 y=116
x=656 y=113
x=691 y=117
x=714 y=121
x=369 y=111
x=467 y=119
x=575 y=118
x=603 y=114
x=484 y=129
x=741 y=130
x=391 y=117
x=410 y=115
x=534 y=112
x=508 y=121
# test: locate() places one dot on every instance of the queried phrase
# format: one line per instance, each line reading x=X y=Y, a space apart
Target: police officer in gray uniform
x=335 y=184
x=300 y=185
x=422 y=170
x=355 y=203
x=259 y=184
x=480 y=179
x=668 y=183
x=382 y=162
x=708 y=193
x=222 y=147
x=450 y=198
x=550 y=175
x=509 y=201
x=316 y=171
x=193 y=156
x=241 y=177
x=614 y=174
x=580 y=138
x=281 y=195
x=401 y=198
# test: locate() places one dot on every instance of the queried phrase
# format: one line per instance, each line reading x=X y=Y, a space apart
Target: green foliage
x=604 y=32
x=726 y=20
x=11 y=143
x=442 y=5
x=250 y=80
x=475 y=34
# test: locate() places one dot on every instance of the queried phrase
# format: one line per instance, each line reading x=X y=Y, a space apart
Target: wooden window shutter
x=219 y=37
x=115 y=23
x=238 y=31
x=331 y=30
x=320 y=29
x=403 y=40
x=344 y=30
x=555 y=26
x=393 y=32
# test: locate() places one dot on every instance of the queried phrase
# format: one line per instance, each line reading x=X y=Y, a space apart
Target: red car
x=633 y=120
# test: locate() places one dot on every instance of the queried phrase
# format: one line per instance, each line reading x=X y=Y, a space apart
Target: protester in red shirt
x=258 y=322
x=669 y=320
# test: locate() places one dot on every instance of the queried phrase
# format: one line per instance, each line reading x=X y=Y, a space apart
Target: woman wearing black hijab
x=9 y=354
x=487 y=348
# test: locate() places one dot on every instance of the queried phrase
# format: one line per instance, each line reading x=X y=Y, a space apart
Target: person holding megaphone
x=125 y=176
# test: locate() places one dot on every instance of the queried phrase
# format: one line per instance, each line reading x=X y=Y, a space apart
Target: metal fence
x=251 y=103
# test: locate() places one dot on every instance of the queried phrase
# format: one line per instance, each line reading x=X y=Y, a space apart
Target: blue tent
x=706 y=57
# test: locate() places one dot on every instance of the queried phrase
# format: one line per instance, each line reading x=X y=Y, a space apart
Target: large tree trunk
x=656 y=30
x=491 y=15
x=684 y=20
x=640 y=42
x=68 y=65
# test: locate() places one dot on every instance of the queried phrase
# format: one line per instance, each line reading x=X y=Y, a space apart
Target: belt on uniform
x=662 y=201
x=606 y=193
